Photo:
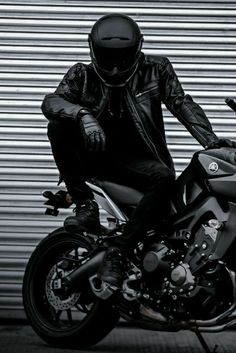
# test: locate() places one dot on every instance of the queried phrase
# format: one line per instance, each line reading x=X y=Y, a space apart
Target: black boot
x=86 y=219
x=112 y=268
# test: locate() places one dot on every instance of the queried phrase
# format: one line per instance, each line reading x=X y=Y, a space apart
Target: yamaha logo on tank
x=213 y=167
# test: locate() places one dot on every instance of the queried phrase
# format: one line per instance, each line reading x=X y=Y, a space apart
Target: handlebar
x=231 y=103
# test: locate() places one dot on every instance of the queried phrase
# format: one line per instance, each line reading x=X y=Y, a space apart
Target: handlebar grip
x=231 y=103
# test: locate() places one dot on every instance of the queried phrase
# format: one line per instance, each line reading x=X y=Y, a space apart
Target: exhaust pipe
x=218 y=328
x=74 y=280
x=220 y=319
x=216 y=320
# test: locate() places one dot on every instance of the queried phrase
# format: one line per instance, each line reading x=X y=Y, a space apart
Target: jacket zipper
x=147 y=140
x=104 y=104
x=148 y=90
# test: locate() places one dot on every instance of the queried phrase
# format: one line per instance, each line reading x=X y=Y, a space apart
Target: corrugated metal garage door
x=38 y=43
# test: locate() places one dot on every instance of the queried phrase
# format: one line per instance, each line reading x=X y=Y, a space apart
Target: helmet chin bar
x=115 y=85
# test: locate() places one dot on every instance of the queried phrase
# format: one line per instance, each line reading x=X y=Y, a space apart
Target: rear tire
x=58 y=320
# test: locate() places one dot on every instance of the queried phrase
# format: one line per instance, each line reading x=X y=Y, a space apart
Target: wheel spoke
x=57 y=315
x=57 y=271
x=76 y=254
x=69 y=315
x=82 y=308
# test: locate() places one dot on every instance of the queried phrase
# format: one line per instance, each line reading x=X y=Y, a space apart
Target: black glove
x=93 y=134
x=221 y=143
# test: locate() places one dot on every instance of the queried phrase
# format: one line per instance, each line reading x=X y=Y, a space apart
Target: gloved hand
x=221 y=143
x=93 y=134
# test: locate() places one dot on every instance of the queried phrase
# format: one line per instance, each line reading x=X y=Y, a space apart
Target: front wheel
x=78 y=320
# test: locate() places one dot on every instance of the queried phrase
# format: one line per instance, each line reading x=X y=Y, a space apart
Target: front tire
x=79 y=320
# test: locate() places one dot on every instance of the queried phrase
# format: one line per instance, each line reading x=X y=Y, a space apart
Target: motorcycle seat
x=120 y=194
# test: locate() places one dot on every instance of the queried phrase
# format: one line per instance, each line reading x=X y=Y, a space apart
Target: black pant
x=151 y=177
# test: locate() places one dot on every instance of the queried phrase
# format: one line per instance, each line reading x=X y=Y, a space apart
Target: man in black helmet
x=105 y=120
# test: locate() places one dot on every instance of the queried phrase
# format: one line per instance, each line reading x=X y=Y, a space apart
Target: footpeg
x=60 y=199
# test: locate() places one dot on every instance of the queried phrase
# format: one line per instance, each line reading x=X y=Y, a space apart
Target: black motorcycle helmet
x=115 y=47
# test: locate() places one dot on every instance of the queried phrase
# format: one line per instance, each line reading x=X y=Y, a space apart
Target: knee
x=163 y=178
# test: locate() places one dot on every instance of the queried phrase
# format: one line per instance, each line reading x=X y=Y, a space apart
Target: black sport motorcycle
x=183 y=279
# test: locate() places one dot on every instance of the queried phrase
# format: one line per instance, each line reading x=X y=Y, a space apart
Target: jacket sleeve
x=64 y=102
x=189 y=113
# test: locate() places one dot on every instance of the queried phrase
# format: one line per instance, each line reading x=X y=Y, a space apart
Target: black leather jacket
x=155 y=81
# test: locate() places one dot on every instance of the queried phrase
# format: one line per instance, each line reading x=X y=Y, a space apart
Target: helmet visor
x=121 y=58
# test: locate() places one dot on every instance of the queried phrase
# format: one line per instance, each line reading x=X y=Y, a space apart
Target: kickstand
x=203 y=342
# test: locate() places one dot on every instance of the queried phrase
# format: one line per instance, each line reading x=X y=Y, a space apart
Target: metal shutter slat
x=38 y=43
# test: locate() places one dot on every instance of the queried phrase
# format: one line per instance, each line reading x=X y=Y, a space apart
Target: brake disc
x=54 y=300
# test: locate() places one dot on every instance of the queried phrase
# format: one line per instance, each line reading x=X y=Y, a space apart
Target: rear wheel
x=76 y=320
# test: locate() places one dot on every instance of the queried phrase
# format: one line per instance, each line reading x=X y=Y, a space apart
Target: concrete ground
x=22 y=339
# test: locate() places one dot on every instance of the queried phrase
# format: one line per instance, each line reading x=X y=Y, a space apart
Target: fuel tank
x=218 y=168
x=210 y=171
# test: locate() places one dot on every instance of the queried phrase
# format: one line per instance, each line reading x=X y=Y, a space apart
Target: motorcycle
x=181 y=279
